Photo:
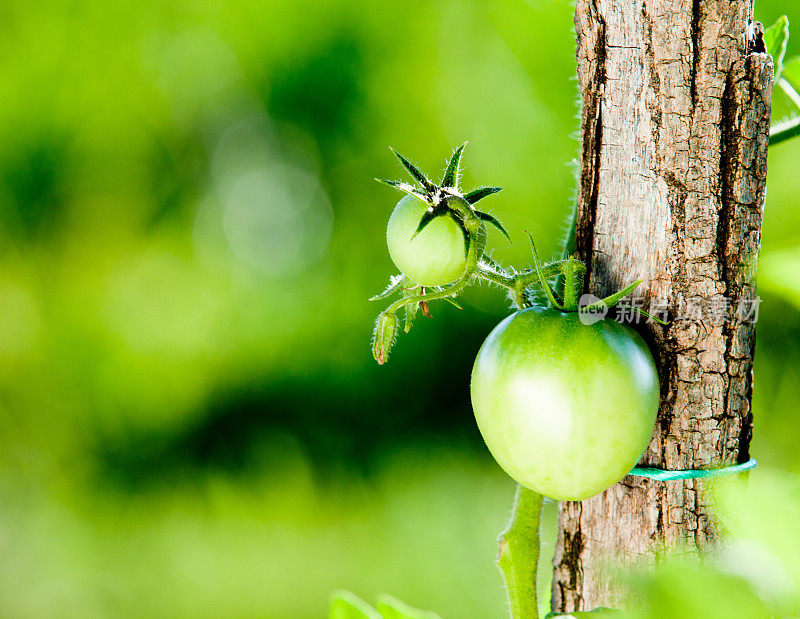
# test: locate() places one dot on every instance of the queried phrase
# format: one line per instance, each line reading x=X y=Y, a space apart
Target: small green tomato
x=437 y=255
x=435 y=232
x=565 y=408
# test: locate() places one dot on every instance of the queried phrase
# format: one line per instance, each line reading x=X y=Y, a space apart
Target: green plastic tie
x=662 y=475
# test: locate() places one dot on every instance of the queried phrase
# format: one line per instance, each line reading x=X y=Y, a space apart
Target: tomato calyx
x=446 y=199
x=573 y=272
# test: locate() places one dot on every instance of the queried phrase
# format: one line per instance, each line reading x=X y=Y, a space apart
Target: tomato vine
x=437 y=238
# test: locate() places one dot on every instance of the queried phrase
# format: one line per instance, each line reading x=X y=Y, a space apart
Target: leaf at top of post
x=775 y=39
x=791 y=72
x=479 y=194
x=491 y=220
x=450 y=178
x=414 y=171
x=347 y=605
x=785 y=130
x=391 y=608
x=786 y=125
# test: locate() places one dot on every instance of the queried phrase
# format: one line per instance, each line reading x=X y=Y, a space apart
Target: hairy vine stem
x=518 y=558
x=517 y=283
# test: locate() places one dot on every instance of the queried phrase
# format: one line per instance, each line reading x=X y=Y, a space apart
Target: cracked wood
x=674 y=128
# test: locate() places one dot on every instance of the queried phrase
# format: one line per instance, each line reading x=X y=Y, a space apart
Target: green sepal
x=542 y=278
x=384 y=337
x=459 y=207
x=347 y=605
x=611 y=300
x=653 y=318
x=395 y=283
x=491 y=262
x=427 y=218
x=391 y=608
x=570 y=286
x=410 y=309
x=414 y=171
x=479 y=194
x=409 y=189
x=556 y=268
x=491 y=220
x=450 y=178
x=467 y=238
x=453 y=303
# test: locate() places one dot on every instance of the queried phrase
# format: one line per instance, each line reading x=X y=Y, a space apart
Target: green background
x=191 y=424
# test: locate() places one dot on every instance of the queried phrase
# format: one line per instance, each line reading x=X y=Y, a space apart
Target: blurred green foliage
x=191 y=424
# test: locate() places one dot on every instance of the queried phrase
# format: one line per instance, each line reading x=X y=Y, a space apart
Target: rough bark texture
x=675 y=128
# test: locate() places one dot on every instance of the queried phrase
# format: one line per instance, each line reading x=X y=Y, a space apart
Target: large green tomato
x=565 y=408
x=434 y=257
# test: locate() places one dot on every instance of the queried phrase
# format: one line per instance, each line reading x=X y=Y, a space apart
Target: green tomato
x=565 y=408
x=434 y=257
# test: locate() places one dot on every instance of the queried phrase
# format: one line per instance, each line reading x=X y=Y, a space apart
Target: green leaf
x=786 y=125
x=479 y=194
x=346 y=605
x=392 y=608
x=784 y=130
x=775 y=39
x=791 y=72
x=491 y=220
x=450 y=178
x=785 y=100
x=414 y=171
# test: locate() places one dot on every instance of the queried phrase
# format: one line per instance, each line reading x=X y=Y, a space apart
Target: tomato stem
x=448 y=291
x=516 y=282
x=518 y=559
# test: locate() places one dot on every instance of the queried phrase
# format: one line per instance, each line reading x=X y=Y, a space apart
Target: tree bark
x=674 y=128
